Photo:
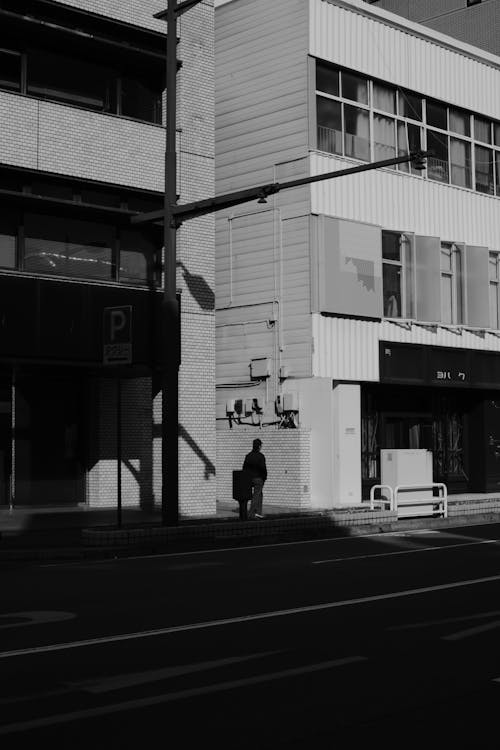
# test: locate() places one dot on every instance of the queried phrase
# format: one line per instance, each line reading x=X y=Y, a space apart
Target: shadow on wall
x=209 y=467
x=198 y=288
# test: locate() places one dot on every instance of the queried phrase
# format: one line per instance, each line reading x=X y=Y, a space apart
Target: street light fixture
x=173 y=215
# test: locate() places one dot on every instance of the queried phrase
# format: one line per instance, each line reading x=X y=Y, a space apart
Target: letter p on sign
x=117 y=335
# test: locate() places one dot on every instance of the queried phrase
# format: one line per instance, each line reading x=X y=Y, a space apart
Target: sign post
x=117 y=350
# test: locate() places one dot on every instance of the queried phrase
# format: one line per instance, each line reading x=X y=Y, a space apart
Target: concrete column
x=346 y=444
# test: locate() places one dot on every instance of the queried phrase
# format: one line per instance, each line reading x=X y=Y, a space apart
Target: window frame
x=456 y=276
x=406 y=264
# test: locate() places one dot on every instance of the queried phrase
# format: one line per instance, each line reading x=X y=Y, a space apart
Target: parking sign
x=117 y=335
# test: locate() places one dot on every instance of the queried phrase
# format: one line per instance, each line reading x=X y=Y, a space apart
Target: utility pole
x=170 y=317
x=173 y=215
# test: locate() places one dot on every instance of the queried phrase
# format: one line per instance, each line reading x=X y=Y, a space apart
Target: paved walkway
x=34 y=533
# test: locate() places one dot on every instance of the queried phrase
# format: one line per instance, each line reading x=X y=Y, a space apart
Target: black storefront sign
x=416 y=364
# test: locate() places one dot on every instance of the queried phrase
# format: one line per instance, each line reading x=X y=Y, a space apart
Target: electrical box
x=248 y=406
x=290 y=402
x=284 y=372
x=238 y=406
x=279 y=404
x=260 y=368
x=407 y=466
x=230 y=406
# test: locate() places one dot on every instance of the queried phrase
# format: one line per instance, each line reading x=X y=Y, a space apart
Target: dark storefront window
x=137 y=254
x=49 y=466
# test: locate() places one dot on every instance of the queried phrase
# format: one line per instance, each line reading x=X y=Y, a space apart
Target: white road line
x=245 y=618
x=132 y=679
x=471 y=631
x=405 y=552
x=445 y=621
x=275 y=545
x=113 y=708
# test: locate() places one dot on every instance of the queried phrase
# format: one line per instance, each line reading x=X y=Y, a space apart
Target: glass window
x=68 y=247
x=10 y=70
x=397 y=275
x=451 y=284
x=329 y=117
x=140 y=99
x=70 y=80
x=497 y=171
x=137 y=255
x=8 y=243
x=327 y=78
x=484 y=170
x=460 y=162
x=482 y=130
x=496 y=128
x=384 y=98
x=409 y=139
x=391 y=246
x=436 y=114
x=357 y=132
x=459 y=121
x=494 y=290
x=355 y=88
x=384 y=137
x=409 y=105
x=437 y=165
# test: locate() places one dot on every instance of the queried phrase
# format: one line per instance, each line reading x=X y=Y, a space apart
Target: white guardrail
x=395 y=500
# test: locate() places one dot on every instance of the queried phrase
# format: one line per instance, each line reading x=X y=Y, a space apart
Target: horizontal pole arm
x=227 y=200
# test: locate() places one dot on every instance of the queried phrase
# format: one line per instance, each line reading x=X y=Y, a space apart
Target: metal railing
x=381 y=500
x=441 y=501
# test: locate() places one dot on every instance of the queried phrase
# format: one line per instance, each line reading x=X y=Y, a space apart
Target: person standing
x=255 y=465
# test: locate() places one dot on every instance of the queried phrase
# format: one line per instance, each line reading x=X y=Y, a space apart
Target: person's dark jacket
x=255 y=464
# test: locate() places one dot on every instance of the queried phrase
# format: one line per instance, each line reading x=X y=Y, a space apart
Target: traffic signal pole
x=173 y=215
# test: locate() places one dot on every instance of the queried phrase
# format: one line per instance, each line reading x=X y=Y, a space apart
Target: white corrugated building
x=370 y=304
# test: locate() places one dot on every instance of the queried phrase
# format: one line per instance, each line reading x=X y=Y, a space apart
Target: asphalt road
x=391 y=638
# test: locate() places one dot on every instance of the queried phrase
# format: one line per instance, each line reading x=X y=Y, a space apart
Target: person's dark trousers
x=256 y=501
x=243 y=510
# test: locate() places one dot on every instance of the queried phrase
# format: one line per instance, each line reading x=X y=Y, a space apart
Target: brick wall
x=288 y=462
x=136 y=435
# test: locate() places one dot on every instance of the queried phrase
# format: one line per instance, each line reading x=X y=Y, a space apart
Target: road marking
x=244 y=618
x=132 y=679
x=21 y=619
x=405 y=552
x=275 y=545
x=471 y=631
x=155 y=700
x=445 y=621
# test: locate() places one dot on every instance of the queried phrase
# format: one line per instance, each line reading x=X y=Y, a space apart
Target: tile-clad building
x=363 y=311
x=82 y=150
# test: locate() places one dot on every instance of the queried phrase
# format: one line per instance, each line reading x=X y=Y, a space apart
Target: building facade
x=475 y=22
x=359 y=313
x=82 y=91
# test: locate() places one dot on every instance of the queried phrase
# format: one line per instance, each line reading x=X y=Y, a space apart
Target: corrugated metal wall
x=394 y=200
x=347 y=349
x=369 y=44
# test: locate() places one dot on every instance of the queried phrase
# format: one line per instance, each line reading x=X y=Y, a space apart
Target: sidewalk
x=31 y=534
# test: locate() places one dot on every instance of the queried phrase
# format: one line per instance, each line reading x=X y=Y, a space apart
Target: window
x=68 y=247
x=451 y=283
x=137 y=256
x=140 y=99
x=387 y=122
x=494 y=290
x=10 y=70
x=72 y=81
x=397 y=275
x=8 y=243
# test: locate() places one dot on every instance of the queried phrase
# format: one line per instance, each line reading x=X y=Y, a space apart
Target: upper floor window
x=451 y=283
x=90 y=84
x=397 y=275
x=388 y=122
x=494 y=290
